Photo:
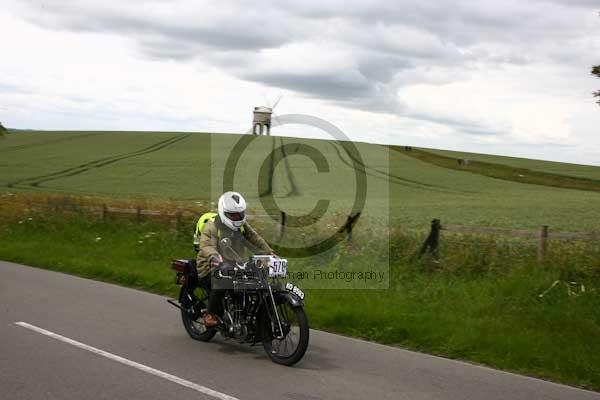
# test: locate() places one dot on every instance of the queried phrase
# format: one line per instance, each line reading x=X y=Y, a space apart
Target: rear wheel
x=291 y=348
x=195 y=301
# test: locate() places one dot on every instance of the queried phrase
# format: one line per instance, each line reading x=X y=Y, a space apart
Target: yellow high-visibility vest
x=204 y=218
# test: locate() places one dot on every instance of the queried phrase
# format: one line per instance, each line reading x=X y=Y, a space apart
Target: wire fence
x=438 y=233
x=177 y=216
x=541 y=237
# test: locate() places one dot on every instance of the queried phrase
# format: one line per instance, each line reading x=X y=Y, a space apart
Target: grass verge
x=479 y=303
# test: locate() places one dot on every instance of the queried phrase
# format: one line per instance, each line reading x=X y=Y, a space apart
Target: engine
x=240 y=314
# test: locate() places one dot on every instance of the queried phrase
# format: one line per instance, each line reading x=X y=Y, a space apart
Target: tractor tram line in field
x=390 y=177
x=36 y=181
x=46 y=142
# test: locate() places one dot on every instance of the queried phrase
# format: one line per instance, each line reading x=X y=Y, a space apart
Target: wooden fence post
x=436 y=226
x=433 y=239
x=138 y=214
x=543 y=244
x=347 y=227
x=282 y=225
x=104 y=211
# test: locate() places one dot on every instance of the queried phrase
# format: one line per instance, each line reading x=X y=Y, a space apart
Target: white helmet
x=232 y=210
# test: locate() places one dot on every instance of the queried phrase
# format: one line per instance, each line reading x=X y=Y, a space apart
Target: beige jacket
x=213 y=232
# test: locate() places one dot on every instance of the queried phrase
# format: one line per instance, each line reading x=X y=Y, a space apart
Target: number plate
x=277 y=267
x=295 y=289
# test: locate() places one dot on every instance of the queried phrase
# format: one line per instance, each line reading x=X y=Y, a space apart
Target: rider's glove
x=215 y=261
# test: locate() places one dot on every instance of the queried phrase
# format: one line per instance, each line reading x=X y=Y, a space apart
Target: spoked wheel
x=291 y=348
x=195 y=301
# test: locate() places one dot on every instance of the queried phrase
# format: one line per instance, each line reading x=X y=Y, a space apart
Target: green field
x=188 y=167
x=485 y=298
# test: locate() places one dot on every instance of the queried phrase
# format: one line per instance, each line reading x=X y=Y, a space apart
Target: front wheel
x=291 y=348
x=195 y=301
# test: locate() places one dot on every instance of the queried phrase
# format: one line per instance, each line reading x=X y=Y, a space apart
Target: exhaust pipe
x=174 y=304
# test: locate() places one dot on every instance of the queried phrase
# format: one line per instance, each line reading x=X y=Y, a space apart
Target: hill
x=190 y=167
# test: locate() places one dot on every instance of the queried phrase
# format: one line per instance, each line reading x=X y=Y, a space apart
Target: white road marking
x=141 y=367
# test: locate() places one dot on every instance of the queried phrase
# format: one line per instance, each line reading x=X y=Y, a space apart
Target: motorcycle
x=256 y=306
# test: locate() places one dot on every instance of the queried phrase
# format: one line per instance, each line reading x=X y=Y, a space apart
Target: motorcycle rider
x=230 y=223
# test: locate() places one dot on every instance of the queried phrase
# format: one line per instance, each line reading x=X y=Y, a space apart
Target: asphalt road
x=82 y=339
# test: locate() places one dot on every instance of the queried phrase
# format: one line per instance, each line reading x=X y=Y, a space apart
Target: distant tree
x=596 y=71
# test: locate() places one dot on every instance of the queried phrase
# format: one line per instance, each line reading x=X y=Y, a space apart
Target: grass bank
x=481 y=302
x=502 y=171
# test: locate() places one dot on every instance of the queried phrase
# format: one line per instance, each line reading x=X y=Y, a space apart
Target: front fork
x=278 y=327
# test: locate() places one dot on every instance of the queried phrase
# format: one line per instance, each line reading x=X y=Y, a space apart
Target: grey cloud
x=472 y=127
x=332 y=86
x=391 y=44
x=591 y=4
x=383 y=68
x=459 y=21
x=222 y=34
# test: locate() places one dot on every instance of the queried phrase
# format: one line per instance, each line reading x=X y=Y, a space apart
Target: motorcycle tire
x=197 y=331
x=298 y=353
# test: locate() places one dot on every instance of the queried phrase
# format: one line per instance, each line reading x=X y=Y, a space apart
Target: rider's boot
x=210 y=320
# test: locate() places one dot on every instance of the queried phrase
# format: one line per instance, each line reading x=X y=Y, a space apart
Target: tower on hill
x=261 y=124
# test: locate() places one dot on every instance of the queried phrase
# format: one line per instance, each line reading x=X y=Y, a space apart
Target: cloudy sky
x=505 y=77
